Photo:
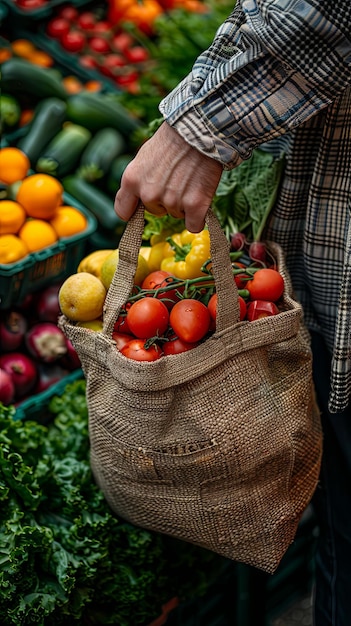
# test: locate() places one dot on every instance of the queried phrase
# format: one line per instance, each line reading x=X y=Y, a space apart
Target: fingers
x=125 y=204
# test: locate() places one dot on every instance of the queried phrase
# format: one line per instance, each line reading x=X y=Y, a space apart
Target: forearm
x=268 y=70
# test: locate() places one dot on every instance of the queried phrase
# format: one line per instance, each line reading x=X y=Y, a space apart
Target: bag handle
x=123 y=279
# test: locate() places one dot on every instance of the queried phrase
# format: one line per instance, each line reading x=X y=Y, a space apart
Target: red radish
x=47 y=306
x=48 y=375
x=22 y=370
x=238 y=241
x=258 y=251
x=12 y=330
x=45 y=342
x=71 y=359
x=7 y=388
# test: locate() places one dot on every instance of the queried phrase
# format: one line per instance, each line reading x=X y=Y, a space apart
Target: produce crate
x=37 y=407
x=52 y=264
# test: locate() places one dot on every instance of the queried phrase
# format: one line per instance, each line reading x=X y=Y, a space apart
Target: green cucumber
x=22 y=77
x=115 y=172
x=49 y=115
x=102 y=149
x=10 y=112
x=96 y=201
x=62 y=154
x=97 y=110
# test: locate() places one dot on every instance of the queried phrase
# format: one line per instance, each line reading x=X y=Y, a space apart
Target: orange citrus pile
x=34 y=215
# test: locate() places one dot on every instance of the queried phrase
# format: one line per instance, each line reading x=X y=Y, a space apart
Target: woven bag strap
x=123 y=280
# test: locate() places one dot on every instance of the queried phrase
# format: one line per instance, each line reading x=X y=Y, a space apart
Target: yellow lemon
x=110 y=264
x=82 y=297
x=92 y=263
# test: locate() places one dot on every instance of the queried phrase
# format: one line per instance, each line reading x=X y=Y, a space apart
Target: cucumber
x=115 y=172
x=22 y=77
x=101 y=150
x=47 y=121
x=97 y=110
x=62 y=154
x=96 y=201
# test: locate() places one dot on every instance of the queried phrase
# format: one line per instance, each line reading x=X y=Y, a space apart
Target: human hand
x=169 y=176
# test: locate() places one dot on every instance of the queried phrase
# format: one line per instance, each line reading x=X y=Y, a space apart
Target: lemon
x=92 y=263
x=110 y=264
x=82 y=297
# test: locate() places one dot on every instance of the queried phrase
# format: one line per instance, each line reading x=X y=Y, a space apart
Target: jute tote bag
x=219 y=446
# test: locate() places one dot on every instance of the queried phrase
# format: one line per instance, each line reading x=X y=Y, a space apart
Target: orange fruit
x=37 y=234
x=41 y=58
x=68 y=221
x=40 y=195
x=14 y=165
x=12 y=217
x=22 y=47
x=12 y=249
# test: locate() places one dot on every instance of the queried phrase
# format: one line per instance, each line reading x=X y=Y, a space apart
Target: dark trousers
x=332 y=505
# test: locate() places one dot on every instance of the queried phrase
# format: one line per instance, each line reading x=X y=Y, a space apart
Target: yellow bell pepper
x=188 y=253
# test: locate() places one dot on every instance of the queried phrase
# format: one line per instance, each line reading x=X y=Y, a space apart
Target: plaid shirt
x=282 y=69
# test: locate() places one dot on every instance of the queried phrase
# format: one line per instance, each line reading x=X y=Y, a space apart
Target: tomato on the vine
x=212 y=307
x=57 y=27
x=138 y=350
x=190 y=319
x=266 y=284
x=73 y=41
x=177 y=346
x=158 y=280
x=148 y=318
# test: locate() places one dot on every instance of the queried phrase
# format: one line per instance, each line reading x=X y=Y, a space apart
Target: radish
x=7 y=388
x=45 y=342
x=258 y=251
x=22 y=371
x=237 y=241
x=12 y=330
x=47 y=305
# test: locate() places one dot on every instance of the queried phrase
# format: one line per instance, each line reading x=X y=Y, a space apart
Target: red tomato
x=266 y=284
x=88 y=61
x=99 y=45
x=212 y=307
x=122 y=41
x=73 y=41
x=135 y=349
x=190 y=319
x=121 y=324
x=58 y=27
x=260 y=308
x=86 y=20
x=177 y=345
x=159 y=279
x=69 y=13
x=30 y=5
x=111 y=63
x=137 y=54
x=148 y=318
x=121 y=339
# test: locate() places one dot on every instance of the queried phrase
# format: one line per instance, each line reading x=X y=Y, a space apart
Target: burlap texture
x=219 y=446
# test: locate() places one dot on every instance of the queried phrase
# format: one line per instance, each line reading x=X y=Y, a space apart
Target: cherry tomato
x=266 y=284
x=111 y=64
x=137 y=54
x=58 y=27
x=177 y=345
x=69 y=13
x=88 y=61
x=122 y=41
x=99 y=45
x=159 y=279
x=260 y=308
x=148 y=318
x=121 y=339
x=212 y=307
x=86 y=20
x=135 y=349
x=31 y=5
x=73 y=41
x=190 y=319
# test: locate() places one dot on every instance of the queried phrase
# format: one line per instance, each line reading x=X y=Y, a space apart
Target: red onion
x=12 y=330
x=46 y=342
x=7 y=388
x=22 y=370
x=71 y=359
x=47 y=304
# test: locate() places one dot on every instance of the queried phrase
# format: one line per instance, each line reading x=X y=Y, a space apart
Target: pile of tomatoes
x=168 y=316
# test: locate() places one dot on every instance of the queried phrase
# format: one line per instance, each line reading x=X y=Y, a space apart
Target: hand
x=169 y=176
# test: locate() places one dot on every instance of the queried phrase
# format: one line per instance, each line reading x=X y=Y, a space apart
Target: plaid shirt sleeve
x=272 y=65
